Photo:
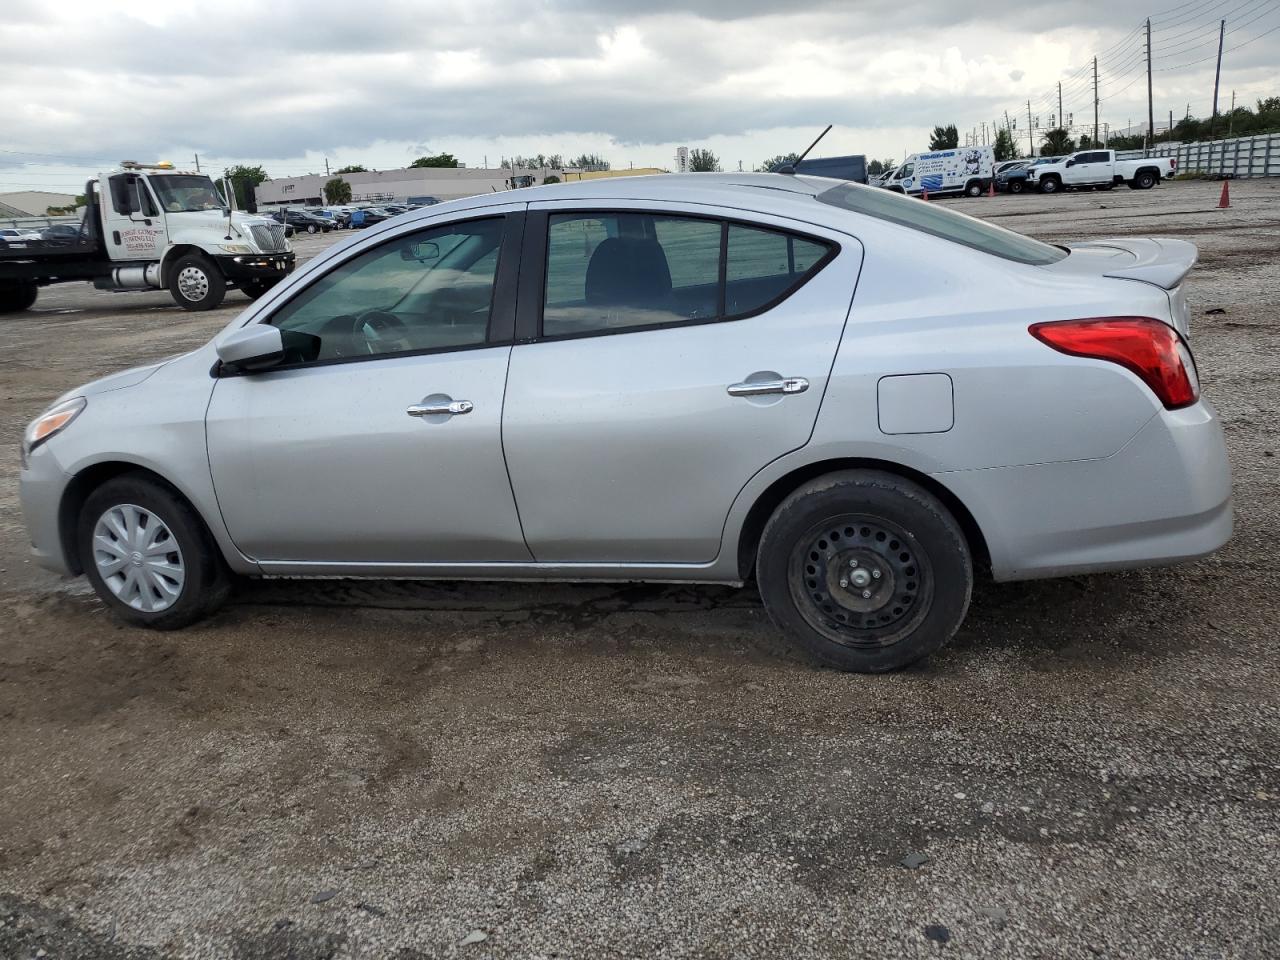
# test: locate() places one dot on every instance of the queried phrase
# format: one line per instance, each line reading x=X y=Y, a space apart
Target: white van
x=966 y=170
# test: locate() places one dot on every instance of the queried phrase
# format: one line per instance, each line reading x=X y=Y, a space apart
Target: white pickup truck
x=1100 y=169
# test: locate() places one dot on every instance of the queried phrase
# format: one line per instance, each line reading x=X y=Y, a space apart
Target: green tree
x=781 y=160
x=555 y=162
x=350 y=168
x=589 y=161
x=703 y=161
x=439 y=160
x=242 y=178
x=1056 y=142
x=944 y=138
x=1087 y=142
x=337 y=190
x=1004 y=146
x=875 y=168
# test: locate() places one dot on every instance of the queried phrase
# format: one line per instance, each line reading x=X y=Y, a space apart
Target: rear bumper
x=256 y=266
x=1163 y=498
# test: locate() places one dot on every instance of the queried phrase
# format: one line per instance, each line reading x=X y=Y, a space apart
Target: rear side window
x=618 y=271
x=935 y=220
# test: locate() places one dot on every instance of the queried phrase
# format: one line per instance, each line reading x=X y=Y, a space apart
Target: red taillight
x=1173 y=163
x=1151 y=349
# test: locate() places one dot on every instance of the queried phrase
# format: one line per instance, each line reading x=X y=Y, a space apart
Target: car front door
x=378 y=438
x=662 y=359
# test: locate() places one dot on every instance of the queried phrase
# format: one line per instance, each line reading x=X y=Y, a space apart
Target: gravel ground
x=396 y=770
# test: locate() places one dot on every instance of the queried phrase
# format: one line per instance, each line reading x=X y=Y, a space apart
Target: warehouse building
x=33 y=203
x=384 y=186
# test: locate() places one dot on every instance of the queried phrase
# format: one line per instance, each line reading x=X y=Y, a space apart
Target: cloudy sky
x=292 y=82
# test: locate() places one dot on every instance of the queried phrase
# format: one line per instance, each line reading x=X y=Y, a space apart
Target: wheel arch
x=89 y=479
x=768 y=500
x=173 y=255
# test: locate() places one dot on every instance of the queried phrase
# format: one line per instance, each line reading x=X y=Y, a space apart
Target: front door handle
x=431 y=407
x=759 y=388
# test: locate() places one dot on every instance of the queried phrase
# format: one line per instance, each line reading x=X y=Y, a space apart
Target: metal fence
x=1238 y=157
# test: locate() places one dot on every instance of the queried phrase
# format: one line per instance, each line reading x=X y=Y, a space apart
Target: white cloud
x=290 y=83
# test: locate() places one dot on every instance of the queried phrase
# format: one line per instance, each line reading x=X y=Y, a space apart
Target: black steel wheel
x=860 y=580
x=865 y=570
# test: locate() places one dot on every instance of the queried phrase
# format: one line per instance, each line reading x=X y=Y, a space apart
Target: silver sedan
x=861 y=400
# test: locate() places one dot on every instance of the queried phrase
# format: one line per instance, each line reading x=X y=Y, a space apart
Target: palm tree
x=1056 y=142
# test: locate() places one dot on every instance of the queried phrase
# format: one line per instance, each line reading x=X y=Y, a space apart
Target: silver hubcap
x=138 y=558
x=193 y=282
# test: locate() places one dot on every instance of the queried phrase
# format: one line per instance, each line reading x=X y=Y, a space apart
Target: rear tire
x=1144 y=180
x=196 y=283
x=18 y=295
x=973 y=189
x=122 y=534
x=865 y=570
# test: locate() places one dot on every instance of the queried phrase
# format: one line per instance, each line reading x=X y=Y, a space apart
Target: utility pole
x=326 y=166
x=1231 y=117
x=1031 y=136
x=1217 y=73
x=1061 y=116
x=1171 y=126
x=1151 y=117
x=1095 y=101
x=984 y=128
x=197 y=163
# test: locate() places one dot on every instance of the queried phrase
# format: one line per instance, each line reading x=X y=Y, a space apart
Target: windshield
x=185 y=193
x=936 y=221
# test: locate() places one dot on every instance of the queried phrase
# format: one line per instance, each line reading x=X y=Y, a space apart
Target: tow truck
x=148 y=226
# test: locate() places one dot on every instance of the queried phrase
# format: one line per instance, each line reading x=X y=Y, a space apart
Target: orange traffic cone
x=991 y=187
x=1225 y=200
x=924 y=195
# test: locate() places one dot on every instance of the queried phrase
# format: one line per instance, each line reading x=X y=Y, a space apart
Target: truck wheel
x=196 y=284
x=17 y=296
x=1145 y=180
x=865 y=570
x=973 y=189
x=1050 y=185
x=1015 y=186
x=253 y=289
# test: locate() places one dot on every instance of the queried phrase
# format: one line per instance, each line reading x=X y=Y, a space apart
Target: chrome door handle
x=758 y=388
x=448 y=408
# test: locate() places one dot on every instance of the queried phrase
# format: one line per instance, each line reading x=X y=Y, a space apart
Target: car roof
x=771 y=192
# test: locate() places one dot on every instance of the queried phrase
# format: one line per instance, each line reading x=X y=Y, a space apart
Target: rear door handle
x=759 y=388
x=431 y=407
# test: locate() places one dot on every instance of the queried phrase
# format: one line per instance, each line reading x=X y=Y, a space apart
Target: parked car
x=675 y=378
x=1015 y=179
x=1099 y=169
x=62 y=233
x=301 y=221
x=368 y=217
x=18 y=235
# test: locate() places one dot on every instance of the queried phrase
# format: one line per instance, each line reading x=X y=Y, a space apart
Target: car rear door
x=662 y=359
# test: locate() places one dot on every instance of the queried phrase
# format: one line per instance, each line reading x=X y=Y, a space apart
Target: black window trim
x=533 y=277
x=502 y=300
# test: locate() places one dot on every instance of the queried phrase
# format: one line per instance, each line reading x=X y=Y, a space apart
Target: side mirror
x=1071 y=163
x=255 y=347
x=420 y=252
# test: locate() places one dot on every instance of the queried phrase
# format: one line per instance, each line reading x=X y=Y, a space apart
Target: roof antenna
x=790 y=168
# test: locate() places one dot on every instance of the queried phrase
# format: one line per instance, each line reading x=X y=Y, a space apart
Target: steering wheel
x=378 y=328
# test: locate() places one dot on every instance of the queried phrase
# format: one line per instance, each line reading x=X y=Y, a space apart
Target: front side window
x=428 y=290
x=935 y=220
x=617 y=271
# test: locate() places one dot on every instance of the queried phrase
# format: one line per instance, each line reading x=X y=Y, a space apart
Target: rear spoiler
x=1160 y=261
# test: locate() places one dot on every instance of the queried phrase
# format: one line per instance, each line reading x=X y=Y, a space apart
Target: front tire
x=196 y=284
x=1050 y=185
x=1015 y=186
x=17 y=296
x=312 y=228
x=865 y=570
x=148 y=555
x=253 y=289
